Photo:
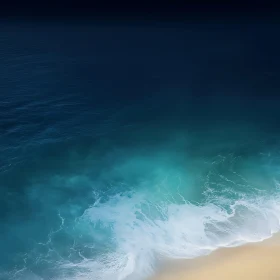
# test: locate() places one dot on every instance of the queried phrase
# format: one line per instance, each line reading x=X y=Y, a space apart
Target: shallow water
x=125 y=145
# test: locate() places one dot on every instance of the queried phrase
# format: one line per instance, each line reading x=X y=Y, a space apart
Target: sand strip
x=255 y=261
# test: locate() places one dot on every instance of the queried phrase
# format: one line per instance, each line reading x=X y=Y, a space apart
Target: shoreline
x=251 y=261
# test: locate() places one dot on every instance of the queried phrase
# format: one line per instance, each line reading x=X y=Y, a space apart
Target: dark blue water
x=125 y=145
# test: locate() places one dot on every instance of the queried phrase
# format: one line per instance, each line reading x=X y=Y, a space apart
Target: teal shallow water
x=125 y=210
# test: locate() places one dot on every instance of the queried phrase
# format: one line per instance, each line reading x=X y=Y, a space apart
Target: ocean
x=126 y=145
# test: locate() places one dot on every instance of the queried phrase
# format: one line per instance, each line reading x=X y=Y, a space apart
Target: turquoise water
x=99 y=183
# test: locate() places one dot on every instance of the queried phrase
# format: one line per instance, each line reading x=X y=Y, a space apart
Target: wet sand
x=255 y=261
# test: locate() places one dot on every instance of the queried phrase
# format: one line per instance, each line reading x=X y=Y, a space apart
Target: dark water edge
x=90 y=112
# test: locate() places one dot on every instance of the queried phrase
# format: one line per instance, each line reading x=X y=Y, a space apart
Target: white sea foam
x=145 y=231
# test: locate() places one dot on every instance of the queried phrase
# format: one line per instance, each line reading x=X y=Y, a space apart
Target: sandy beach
x=255 y=261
